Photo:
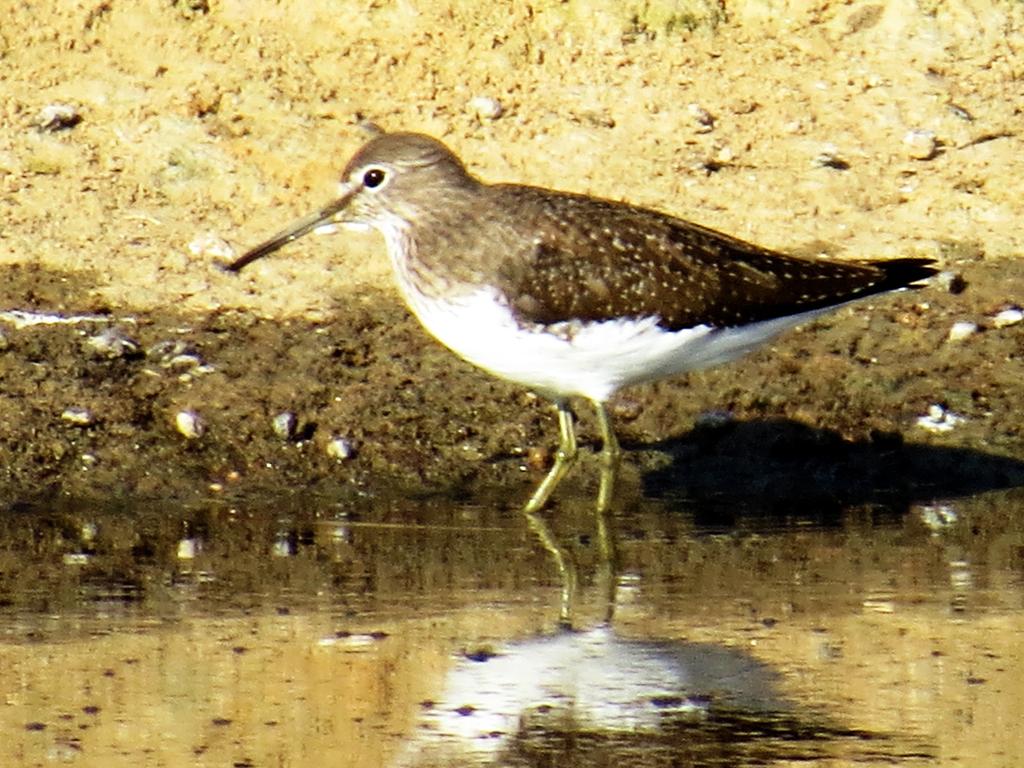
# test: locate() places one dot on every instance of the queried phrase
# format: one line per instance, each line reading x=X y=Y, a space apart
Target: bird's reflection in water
x=541 y=695
x=592 y=697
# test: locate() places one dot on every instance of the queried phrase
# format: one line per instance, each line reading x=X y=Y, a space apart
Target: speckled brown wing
x=595 y=260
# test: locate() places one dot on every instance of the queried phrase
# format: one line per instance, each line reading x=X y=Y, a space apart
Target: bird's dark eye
x=374 y=177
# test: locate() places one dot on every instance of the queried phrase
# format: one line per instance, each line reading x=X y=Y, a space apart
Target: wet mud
x=93 y=395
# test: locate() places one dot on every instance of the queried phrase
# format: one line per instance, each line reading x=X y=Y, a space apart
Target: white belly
x=591 y=360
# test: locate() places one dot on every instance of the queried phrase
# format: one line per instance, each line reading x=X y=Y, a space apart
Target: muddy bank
x=365 y=403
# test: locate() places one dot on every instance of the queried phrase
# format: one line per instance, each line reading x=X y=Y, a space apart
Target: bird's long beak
x=299 y=228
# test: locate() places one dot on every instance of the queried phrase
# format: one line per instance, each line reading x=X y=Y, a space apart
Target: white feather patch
x=591 y=360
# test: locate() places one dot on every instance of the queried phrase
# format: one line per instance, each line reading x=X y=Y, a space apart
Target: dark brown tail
x=902 y=273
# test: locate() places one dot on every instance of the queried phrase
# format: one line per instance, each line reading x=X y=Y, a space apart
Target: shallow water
x=426 y=633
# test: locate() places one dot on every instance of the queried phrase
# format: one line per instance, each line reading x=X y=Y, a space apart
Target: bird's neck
x=441 y=248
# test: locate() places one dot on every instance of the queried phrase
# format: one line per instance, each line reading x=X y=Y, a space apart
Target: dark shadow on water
x=771 y=468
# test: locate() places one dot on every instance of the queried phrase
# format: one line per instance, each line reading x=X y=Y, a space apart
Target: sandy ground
x=193 y=130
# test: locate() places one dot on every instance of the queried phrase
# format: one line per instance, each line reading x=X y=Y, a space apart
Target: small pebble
x=486 y=108
x=939 y=419
x=921 y=144
x=340 y=448
x=725 y=155
x=179 y=358
x=184 y=362
x=829 y=157
x=5 y=341
x=1008 y=317
x=742 y=106
x=211 y=247
x=187 y=548
x=190 y=424
x=951 y=281
x=112 y=343
x=57 y=117
x=960 y=112
x=284 y=425
x=704 y=119
x=962 y=330
x=79 y=417
x=166 y=351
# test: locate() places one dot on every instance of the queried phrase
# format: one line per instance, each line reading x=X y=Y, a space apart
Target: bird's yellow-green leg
x=563 y=561
x=564 y=460
x=610 y=455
